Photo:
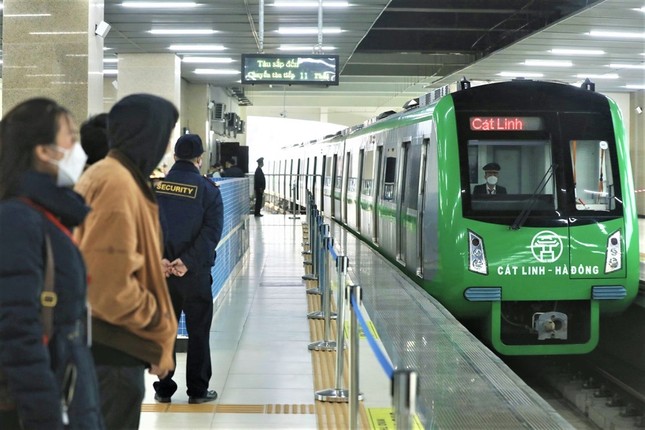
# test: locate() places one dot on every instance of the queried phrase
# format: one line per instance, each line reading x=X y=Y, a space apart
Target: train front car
x=537 y=224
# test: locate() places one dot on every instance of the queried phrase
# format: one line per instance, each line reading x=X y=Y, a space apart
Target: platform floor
x=266 y=378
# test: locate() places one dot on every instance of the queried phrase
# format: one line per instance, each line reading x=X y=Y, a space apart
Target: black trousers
x=192 y=295
x=121 y=391
x=259 y=196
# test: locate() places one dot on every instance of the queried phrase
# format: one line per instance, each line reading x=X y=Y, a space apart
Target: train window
x=390 y=176
x=510 y=174
x=592 y=175
x=368 y=173
x=351 y=185
x=366 y=189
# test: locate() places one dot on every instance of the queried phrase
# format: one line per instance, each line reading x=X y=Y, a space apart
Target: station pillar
x=158 y=74
x=50 y=49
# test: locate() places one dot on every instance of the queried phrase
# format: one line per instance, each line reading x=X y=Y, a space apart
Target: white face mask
x=71 y=165
x=492 y=180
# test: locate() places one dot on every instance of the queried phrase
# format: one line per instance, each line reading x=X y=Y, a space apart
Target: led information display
x=506 y=123
x=289 y=69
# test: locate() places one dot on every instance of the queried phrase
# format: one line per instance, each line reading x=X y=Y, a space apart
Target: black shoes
x=209 y=397
x=258 y=215
x=162 y=399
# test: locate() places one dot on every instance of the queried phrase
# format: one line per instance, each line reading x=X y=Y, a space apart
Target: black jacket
x=481 y=189
x=192 y=216
x=35 y=371
x=233 y=172
x=259 y=182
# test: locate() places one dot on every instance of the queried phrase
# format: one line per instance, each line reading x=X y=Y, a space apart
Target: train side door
x=421 y=205
x=377 y=194
x=345 y=187
x=332 y=208
x=323 y=166
x=359 y=189
x=401 y=213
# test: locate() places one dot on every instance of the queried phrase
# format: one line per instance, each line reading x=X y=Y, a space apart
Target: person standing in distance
x=133 y=324
x=192 y=219
x=231 y=170
x=491 y=174
x=259 y=184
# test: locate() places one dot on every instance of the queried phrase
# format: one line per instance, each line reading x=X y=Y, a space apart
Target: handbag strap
x=48 y=297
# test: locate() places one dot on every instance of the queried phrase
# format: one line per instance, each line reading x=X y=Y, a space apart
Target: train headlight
x=476 y=255
x=613 y=257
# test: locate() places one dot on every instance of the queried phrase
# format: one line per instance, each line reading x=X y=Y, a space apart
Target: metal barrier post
x=354 y=290
x=315 y=251
x=338 y=394
x=293 y=216
x=310 y=207
x=326 y=344
x=324 y=284
x=404 y=397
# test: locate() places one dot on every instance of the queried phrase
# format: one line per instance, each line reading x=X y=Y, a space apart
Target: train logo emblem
x=546 y=247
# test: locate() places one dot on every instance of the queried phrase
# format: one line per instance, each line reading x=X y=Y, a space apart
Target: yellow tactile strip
x=230 y=409
x=329 y=415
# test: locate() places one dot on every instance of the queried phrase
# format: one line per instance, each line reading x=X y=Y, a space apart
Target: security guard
x=192 y=218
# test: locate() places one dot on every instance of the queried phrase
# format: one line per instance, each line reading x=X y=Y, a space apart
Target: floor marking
x=283 y=409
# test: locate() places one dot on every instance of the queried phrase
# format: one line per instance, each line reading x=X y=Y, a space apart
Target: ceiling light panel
x=216 y=72
x=180 y=32
x=308 y=30
x=548 y=63
x=617 y=34
x=573 y=51
x=301 y=4
x=158 y=4
x=596 y=76
x=521 y=74
x=207 y=60
x=303 y=48
x=196 y=47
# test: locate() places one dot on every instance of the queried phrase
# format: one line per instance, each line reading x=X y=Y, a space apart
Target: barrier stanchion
x=315 y=249
x=306 y=236
x=338 y=394
x=404 y=397
x=355 y=297
x=310 y=208
x=326 y=344
x=324 y=285
x=293 y=216
x=322 y=231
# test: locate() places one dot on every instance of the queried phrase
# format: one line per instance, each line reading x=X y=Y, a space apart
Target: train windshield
x=593 y=178
x=507 y=174
x=546 y=167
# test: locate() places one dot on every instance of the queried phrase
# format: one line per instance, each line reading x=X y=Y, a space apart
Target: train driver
x=491 y=174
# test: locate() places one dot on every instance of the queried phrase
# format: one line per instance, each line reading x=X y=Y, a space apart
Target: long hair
x=31 y=123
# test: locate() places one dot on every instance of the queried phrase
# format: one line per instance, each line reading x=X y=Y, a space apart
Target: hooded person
x=133 y=321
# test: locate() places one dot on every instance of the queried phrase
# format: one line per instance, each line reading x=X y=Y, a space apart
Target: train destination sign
x=506 y=123
x=290 y=69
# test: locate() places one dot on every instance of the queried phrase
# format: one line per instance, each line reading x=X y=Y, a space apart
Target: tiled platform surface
x=262 y=368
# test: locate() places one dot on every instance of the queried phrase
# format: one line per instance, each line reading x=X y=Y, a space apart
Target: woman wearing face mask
x=491 y=173
x=47 y=378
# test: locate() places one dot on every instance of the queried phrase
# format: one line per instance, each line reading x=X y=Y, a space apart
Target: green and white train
x=533 y=270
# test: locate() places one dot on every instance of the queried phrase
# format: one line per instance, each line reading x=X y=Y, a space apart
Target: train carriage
x=532 y=269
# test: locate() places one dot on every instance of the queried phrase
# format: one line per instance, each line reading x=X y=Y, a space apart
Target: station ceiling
x=391 y=51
